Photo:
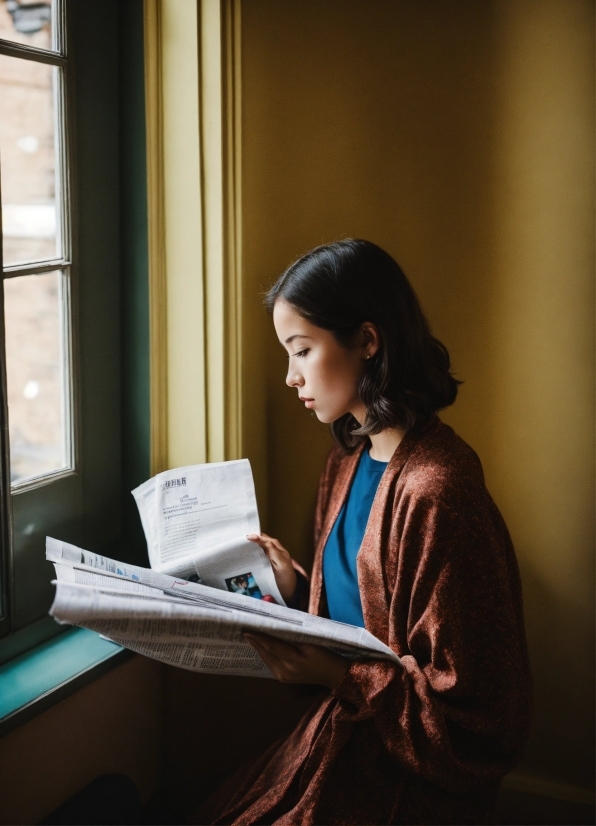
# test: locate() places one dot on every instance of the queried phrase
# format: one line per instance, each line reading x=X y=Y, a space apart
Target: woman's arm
x=461 y=700
x=299 y=663
x=458 y=710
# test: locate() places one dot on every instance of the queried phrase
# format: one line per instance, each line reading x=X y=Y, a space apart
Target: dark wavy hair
x=340 y=286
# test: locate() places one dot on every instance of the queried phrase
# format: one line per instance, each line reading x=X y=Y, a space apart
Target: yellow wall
x=110 y=726
x=459 y=136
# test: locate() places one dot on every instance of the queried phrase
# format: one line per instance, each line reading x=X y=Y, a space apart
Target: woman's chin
x=325 y=418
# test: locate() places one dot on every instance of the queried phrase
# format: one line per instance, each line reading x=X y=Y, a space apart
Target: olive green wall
x=459 y=136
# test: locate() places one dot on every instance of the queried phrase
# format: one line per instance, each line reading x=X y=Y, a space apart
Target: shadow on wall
x=387 y=133
x=562 y=732
x=216 y=724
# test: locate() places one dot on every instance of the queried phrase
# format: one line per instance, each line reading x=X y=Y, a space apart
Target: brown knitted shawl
x=427 y=742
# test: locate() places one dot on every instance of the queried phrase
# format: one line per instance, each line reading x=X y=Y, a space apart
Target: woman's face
x=325 y=374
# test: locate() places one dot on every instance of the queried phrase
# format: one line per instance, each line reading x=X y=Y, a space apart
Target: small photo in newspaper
x=246 y=584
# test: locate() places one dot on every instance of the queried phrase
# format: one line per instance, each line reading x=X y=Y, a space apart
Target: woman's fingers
x=275 y=543
x=277 y=648
x=272 y=547
x=271 y=661
x=281 y=562
x=282 y=659
x=298 y=663
x=269 y=541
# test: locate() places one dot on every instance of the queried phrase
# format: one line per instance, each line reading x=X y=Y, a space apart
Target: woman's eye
x=300 y=354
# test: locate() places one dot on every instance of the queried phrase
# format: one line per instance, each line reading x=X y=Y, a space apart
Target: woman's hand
x=299 y=663
x=281 y=562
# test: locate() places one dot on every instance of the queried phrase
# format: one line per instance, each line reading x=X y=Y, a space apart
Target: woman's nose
x=294 y=379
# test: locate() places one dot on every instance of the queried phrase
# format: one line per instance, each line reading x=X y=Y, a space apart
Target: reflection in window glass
x=28 y=161
x=35 y=363
x=27 y=21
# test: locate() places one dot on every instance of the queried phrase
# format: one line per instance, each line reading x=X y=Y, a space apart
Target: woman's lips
x=307 y=402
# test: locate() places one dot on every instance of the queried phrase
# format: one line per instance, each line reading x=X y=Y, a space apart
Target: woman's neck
x=385 y=443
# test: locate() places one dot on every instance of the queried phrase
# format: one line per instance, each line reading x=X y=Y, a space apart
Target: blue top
x=339 y=559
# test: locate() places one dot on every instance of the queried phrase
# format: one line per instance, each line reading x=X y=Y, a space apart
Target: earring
x=366 y=358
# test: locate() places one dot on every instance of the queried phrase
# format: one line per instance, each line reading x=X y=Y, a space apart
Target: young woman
x=410 y=545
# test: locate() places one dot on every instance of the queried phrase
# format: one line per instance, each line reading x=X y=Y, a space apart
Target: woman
x=410 y=545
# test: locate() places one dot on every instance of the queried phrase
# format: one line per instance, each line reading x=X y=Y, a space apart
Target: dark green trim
x=134 y=267
x=27 y=638
x=42 y=677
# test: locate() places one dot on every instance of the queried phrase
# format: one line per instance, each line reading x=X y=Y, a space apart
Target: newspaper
x=186 y=624
x=196 y=519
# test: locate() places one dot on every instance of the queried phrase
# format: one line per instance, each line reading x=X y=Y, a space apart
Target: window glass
x=28 y=167
x=49 y=494
x=37 y=368
x=27 y=21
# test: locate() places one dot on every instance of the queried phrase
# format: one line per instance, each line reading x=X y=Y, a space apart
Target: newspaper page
x=187 y=624
x=196 y=519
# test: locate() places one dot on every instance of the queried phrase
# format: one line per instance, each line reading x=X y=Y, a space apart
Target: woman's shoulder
x=442 y=463
x=437 y=460
x=337 y=463
x=336 y=457
x=335 y=472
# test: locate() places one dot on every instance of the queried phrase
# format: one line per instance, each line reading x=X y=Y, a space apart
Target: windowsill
x=43 y=676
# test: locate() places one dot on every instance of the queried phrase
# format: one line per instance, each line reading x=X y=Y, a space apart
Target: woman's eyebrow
x=296 y=335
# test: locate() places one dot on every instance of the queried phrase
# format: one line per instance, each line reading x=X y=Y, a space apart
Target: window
x=36 y=246
x=73 y=265
x=36 y=243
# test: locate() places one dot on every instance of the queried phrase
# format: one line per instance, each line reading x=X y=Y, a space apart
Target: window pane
x=27 y=21
x=35 y=366
x=28 y=161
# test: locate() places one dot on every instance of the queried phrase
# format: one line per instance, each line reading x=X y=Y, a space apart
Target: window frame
x=111 y=523
x=5 y=493
x=64 y=263
x=88 y=504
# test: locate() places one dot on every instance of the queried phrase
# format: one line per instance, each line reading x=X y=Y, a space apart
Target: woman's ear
x=370 y=340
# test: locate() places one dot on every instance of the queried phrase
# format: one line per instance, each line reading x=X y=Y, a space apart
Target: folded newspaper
x=183 y=623
x=207 y=584
x=195 y=521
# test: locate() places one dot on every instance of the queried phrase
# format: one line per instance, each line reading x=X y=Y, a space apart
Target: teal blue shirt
x=339 y=558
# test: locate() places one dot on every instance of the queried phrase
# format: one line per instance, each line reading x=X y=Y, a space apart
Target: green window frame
x=100 y=50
